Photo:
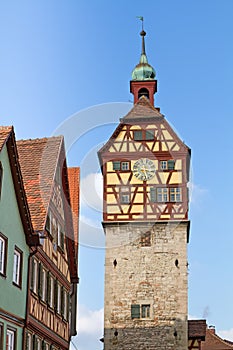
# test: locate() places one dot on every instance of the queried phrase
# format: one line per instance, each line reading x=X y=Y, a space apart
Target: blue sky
x=58 y=58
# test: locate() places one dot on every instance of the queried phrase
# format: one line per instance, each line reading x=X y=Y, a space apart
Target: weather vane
x=141 y=19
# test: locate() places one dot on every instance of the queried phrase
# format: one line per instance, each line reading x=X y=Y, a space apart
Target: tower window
x=175 y=194
x=140 y=135
x=145 y=311
x=146 y=239
x=167 y=164
x=125 y=199
x=118 y=165
x=125 y=195
x=162 y=194
x=143 y=92
x=140 y=311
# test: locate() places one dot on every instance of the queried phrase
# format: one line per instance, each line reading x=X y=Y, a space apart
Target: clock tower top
x=143 y=81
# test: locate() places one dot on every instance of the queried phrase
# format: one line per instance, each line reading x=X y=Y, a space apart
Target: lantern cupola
x=143 y=81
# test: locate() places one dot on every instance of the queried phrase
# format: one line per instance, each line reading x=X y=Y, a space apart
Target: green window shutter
x=116 y=165
x=171 y=164
x=135 y=311
x=153 y=194
x=137 y=135
x=149 y=135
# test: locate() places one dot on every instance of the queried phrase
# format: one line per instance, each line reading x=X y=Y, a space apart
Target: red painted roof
x=38 y=160
x=5 y=132
x=214 y=342
x=74 y=185
x=142 y=109
x=7 y=136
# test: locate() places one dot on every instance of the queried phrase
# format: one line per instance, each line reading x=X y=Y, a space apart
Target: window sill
x=17 y=285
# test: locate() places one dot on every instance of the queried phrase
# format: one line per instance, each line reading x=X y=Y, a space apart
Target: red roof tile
x=143 y=109
x=74 y=185
x=214 y=342
x=7 y=136
x=5 y=132
x=38 y=160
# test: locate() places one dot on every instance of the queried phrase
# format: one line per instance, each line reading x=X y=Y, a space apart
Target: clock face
x=144 y=169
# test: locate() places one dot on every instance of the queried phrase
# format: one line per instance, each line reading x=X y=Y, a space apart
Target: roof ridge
x=40 y=139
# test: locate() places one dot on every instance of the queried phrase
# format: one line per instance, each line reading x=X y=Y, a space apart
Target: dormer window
x=143 y=92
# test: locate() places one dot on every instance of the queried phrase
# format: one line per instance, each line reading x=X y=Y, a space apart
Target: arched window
x=143 y=92
x=1 y=175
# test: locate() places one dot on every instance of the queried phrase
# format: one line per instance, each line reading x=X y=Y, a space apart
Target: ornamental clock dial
x=144 y=169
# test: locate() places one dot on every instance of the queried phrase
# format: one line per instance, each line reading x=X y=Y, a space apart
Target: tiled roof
x=5 y=132
x=74 y=185
x=7 y=136
x=196 y=329
x=214 y=342
x=143 y=109
x=38 y=160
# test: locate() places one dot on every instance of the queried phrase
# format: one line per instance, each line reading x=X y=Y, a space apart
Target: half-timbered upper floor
x=145 y=168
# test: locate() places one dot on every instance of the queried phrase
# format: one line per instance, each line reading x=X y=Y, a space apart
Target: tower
x=145 y=169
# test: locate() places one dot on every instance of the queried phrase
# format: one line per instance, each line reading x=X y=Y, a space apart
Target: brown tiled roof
x=38 y=160
x=214 y=342
x=143 y=109
x=74 y=185
x=7 y=136
x=196 y=329
x=5 y=132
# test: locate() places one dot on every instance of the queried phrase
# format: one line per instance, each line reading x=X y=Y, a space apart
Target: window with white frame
x=17 y=267
x=43 y=284
x=125 y=195
x=140 y=311
x=162 y=194
x=145 y=311
x=175 y=194
x=3 y=251
x=10 y=339
x=34 y=276
x=121 y=165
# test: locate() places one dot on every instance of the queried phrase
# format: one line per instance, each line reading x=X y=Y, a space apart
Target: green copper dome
x=143 y=70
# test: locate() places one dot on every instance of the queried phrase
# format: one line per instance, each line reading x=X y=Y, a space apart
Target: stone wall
x=146 y=266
